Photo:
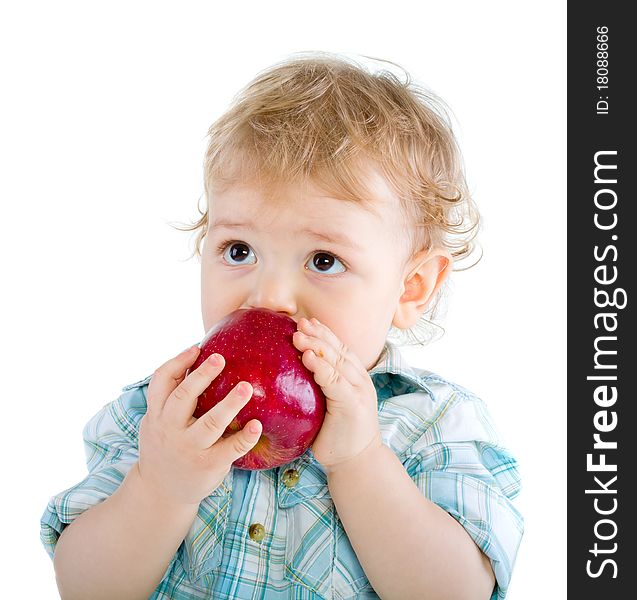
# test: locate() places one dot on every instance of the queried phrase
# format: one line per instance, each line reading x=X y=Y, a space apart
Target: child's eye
x=237 y=253
x=322 y=262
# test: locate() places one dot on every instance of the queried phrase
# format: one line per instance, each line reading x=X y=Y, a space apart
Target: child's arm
x=122 y=547
x=408 y=546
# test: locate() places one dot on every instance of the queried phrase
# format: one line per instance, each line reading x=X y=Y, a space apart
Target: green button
x=257 y=532
x=291 y=477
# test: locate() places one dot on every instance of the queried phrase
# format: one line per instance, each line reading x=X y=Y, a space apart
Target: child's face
x=307 y=255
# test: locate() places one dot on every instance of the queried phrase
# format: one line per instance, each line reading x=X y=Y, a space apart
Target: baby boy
x=334 y=196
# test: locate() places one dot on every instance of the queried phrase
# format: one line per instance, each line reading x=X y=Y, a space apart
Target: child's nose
x=275 y=292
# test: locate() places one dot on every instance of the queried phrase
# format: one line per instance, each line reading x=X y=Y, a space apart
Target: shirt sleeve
x=458 y=464
x=110 y=443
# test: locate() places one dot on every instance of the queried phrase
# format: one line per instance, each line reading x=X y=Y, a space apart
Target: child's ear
x=424 y=274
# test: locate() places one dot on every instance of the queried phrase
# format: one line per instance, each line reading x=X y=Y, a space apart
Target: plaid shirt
x=442 y=434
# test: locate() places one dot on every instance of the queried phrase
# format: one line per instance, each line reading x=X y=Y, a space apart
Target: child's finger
x=209 y=427
x=316 y=329
x=230 y=448
x=181 y=402
x=167 y=377
x=338 y=357
x=333 y=383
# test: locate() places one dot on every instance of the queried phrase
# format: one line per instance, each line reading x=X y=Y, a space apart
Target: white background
x=104 y=114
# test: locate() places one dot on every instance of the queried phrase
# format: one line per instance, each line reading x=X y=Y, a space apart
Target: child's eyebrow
x=332 y=237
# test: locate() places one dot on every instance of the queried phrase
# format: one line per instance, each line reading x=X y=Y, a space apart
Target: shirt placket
x=259 y=519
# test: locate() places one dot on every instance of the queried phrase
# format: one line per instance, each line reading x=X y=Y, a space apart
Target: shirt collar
x=392 y=362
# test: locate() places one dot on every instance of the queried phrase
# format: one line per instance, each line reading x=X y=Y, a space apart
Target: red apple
x=257 y=347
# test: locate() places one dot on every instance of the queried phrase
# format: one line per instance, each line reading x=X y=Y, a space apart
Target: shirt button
x=291 y=477
x=257 y=532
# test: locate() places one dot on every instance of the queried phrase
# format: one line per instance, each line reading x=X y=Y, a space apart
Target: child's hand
x=182 y=458
x=351 y=420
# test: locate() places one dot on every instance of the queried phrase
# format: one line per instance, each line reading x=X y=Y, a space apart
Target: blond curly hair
x=319 y=116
